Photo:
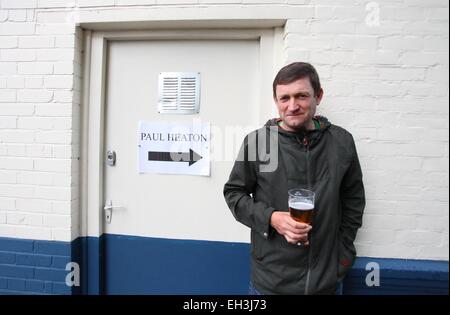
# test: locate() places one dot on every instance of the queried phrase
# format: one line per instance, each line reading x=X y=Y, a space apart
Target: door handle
x=108 y=208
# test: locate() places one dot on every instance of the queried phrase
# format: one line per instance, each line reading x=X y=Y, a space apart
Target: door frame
x=95 y=45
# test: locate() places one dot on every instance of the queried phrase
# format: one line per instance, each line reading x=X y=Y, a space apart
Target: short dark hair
x=295 y=71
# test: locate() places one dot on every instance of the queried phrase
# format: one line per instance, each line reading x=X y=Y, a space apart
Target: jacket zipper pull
x=305 y=141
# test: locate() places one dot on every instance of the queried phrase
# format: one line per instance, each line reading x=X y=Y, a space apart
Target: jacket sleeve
x=239 y=194
x=352 y=208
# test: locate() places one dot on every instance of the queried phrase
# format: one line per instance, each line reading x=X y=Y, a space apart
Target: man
x=289 y=257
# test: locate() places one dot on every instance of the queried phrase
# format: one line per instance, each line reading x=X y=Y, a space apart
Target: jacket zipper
x=308 y=179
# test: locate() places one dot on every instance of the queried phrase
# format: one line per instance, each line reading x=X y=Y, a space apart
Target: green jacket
x=323 y=160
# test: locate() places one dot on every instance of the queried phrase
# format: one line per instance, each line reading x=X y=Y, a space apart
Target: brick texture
x=33 y=267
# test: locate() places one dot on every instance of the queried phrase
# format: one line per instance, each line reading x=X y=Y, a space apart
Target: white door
x=174 y=233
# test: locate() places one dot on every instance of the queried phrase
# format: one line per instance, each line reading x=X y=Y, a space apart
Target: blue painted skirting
x=165 y=266
x=115 y=264
x=399 y=276
x=33 y=267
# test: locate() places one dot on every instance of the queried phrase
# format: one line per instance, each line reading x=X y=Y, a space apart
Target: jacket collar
x=303 y=137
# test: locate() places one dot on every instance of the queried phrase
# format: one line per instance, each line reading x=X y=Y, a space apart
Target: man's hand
x=294 y=232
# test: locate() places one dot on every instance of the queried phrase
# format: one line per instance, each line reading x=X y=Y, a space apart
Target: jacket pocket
x=346 y=258
x=256 y=247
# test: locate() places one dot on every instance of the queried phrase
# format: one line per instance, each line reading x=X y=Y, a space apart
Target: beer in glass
x=301 y=205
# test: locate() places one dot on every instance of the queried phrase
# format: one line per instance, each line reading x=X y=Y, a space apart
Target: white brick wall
x=38 y=63
x=387 y=83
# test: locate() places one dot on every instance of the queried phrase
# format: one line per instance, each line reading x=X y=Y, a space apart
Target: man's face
x=297 y=104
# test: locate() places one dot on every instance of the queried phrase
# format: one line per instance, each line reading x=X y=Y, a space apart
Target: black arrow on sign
x=190 y=156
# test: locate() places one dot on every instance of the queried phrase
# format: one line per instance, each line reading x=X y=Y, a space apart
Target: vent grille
x=179 y=93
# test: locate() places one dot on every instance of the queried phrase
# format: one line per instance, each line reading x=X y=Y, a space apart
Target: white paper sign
x=174 y=148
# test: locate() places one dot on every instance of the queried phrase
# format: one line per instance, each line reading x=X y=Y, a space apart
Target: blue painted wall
x=399 y=276
x=33 y=267
x=115 y=264
x=165 y=266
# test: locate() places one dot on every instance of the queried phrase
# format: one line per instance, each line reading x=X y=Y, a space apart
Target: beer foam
x=301 y=205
